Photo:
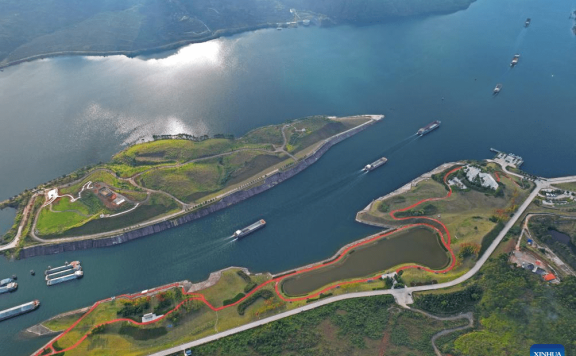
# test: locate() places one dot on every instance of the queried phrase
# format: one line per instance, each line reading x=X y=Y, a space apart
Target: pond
x=419 y=245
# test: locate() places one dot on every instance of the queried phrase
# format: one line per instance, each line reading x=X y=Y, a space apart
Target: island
x=174 y=179
x=442 y=229
x=134 y=27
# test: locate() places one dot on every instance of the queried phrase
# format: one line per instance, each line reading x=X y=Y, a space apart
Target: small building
x=119 y=200
x=549 y=277
x=146 y=318
x=105 y=192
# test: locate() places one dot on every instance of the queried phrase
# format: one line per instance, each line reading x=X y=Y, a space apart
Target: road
x=400 y=295
x=25 y=216
x=184 y=206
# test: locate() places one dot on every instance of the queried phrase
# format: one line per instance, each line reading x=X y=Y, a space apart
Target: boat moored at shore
x=19 y=310
x=429 y=128
x=66 y=267
x=250 y=229
x=10 y=287
x=375 y=164
x=76 y=275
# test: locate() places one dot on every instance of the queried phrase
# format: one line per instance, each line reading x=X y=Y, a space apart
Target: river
x=62 y=113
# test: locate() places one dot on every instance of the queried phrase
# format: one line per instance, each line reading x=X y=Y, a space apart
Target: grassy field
x=361 y=328
x=157 y=205
x=194 y=181
x=468 y=214
x=567 y=186
x=193 y=172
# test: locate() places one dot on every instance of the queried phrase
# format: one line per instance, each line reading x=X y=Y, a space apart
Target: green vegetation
x=516 y=309
x=427 y=209
x=451 y=303
x=542 y=228
x=157 y=205
x=137 y=26
x=262 y=293
x=171 y=175
x=473 y=216
x=364 y=326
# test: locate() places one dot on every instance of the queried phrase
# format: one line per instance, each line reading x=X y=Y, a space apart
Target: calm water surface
x=420 y=246
x=60 y=114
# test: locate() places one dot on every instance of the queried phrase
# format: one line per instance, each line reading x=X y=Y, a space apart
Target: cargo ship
x=250 y=229
x=515 y=60
x=375 y=164
x=527 y=23
x=497 y=88
x=67 y=266
x=69 y=277
x=428 y=128
x=54 y=275
x=19 y=310
x=10 y=287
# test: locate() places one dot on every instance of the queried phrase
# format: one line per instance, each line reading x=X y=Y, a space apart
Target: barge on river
x=19 y=310
x=74 y=265
x=250 y=229
x=9 y=287
x=69 y=277
x=429 y=128
x=372 y=166
x=497 y=88
x=515 y=60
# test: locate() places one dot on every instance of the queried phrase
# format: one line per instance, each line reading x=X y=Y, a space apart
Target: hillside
x=31 y=30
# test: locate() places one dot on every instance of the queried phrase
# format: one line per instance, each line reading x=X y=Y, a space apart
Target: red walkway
x=444 y=234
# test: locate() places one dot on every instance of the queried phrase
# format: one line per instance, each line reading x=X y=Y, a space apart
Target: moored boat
x=19 y=310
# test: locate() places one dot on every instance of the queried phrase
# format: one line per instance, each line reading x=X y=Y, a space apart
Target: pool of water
x=563 y=238
x=6 y=219
x=419 y=245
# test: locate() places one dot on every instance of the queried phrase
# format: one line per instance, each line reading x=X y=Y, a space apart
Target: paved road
x=402 y=296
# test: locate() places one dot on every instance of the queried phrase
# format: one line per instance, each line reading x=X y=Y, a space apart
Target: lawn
x=158 y=205
x=188 y=182
x=468 y=214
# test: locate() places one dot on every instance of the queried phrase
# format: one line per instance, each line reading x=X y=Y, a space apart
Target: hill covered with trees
x=31 y=30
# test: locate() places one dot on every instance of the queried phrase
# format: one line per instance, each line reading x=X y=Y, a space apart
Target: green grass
x=466 y=214
x=567 y=186
x=316 y=129
x=187 y=183
x=266 y=135
x=156 y=206
x=50 y=223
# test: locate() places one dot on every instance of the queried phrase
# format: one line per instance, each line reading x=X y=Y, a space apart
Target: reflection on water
x=420 y=246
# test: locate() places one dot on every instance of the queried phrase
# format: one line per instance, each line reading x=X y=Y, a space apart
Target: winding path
x=402 y=296
x=398 y=293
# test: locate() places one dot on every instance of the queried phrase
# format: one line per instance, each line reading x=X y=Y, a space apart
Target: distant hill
x=32 y=29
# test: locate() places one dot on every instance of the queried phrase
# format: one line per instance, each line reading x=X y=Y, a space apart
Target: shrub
x=263 y=293
x=234 y=300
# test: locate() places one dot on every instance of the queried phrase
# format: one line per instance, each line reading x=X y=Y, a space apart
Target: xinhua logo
x=547 y=350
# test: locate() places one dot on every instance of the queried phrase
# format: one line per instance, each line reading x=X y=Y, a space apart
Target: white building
x=486 y=180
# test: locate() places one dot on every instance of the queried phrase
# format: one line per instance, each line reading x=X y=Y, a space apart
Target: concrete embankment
x=269 y=182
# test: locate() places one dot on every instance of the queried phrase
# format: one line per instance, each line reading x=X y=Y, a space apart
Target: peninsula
x=466 y=209
x=157 y=185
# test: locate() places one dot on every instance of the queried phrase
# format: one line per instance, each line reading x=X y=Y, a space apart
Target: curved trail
x=132 y=180
x=276 y=281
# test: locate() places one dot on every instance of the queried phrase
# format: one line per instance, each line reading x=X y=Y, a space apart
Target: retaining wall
x=269 y=182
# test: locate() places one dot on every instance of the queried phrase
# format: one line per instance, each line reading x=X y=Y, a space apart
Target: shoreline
x=403 y=189
x=231 y=199
x=139 y=52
